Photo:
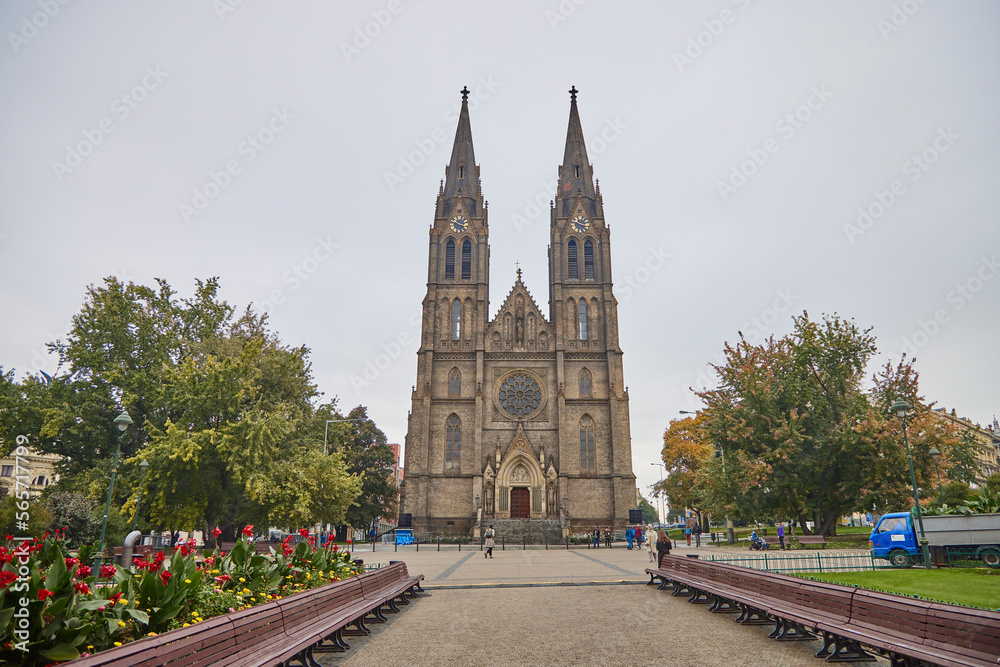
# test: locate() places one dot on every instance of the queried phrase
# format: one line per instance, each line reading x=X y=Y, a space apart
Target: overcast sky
x=757 y=159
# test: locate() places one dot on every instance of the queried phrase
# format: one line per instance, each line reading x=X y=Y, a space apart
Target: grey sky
x=735 y=142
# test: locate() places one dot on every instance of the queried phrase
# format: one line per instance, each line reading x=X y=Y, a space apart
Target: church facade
x=520 y=420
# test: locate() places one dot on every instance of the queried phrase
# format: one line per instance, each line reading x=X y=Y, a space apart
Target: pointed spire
x=462 y=174
x=575 y=176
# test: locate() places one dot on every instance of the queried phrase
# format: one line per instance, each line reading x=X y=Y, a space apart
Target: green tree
x=802 y=434
x=231 y=455
x=649 y=514
x=367 y=455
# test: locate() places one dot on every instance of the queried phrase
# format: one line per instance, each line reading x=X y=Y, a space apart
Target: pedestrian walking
x=597 y=538
x=697 y=534
x=781 y=535
x=687 y=533
x=650 y=543
x=629 y=536
x=638 y=536
x=489 y=542
x=607 y=537
x=662 y=547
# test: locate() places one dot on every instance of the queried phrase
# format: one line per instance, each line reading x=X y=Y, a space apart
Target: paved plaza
x=556 y=607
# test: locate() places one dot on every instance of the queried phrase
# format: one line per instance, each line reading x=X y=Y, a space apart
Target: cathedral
x=520 y=421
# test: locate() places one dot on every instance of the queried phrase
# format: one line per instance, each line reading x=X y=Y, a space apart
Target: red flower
x=188 y=547
x=83 y=571
x=10 y=537
x=44 y=593
x=216 y=531
x=108 y=571
x=165 y=576
x=304 y=532
x=71 y=563
x=82 y=587
x=336 y=548
x=210 y=561
x=222 y=578
x=6 y=576
x=248 y=530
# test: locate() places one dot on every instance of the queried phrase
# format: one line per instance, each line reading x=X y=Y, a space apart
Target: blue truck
x=895 y=537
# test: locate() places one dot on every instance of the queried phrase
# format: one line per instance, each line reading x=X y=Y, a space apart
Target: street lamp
x=730 y=534
x=326 y=428
x=659 y=494
x=123 y=421
x=902 y=410
x=935 y=454
x=144 y=466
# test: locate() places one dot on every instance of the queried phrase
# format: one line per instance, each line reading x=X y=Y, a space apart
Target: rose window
x=520 y=394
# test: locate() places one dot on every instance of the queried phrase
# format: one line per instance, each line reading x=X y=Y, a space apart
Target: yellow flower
x=90 y=647
x=118 y=643
x=242 y=580
x=308 y=576
x=253 y=599
x=121 y=623
x=187 y=581
x=246 y=591
x=215 y=571
x=185 y=625
x=151 y=634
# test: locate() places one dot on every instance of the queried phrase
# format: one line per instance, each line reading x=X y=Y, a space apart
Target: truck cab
x=894 y=538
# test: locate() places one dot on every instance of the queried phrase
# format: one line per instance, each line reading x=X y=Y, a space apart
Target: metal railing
x=805 y=562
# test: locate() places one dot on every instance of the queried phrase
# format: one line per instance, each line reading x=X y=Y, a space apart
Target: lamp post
x=902 y=410
x=123 y=421
x=659 y=494
x=144 y=466
x=326 y=428
x=730 y=534
x=935 y=454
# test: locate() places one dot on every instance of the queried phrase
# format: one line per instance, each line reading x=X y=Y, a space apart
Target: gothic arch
x=588 y=260
x=594 y=312
x=455 y=382
x=572 y=269
x=520 y=468
x=468 y=310
x=449 y=258
x=586 y=384
x=466 y=259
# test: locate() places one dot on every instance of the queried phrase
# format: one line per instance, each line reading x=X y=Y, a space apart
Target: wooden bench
x=811 y=539
x=771 y=540
x=275 y=633
x=902 y=628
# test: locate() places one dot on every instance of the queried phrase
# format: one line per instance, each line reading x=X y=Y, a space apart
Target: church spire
x=575 y=175
x=462 y=175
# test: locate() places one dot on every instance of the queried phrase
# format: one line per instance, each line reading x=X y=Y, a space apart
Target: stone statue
x=488 y=492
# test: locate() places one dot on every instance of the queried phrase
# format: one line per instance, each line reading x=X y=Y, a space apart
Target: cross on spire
x=518 y=265
x=572 y=94
x=465 y=93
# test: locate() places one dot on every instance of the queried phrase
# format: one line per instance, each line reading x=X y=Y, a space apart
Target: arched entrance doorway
x=520 y=502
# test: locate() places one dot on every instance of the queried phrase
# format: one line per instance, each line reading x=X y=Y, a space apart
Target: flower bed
x=54 y=608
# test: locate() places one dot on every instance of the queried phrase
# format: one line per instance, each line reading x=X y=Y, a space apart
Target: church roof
x=576 y=178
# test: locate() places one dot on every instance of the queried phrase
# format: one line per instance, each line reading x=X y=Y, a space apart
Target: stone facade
x=522 y=417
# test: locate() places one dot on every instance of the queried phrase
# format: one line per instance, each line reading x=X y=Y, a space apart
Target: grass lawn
x=977 y=587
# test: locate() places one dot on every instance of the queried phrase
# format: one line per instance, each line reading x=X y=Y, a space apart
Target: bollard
x=417 y=540
x=546 y=542
x=460 y=544
x=567 y=543
x=503 y=543
x=395 y=545
x=439 y=543
x=524 y=543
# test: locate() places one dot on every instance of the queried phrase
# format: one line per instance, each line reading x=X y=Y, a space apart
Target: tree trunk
x=803 y=523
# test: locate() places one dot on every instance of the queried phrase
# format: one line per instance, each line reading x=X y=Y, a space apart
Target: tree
x=649 y=514
x=367 y=455
x=231 y=454
x=801 y=434
x=685 y=452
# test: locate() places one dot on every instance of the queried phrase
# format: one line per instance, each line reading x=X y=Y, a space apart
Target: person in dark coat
x=662 y=546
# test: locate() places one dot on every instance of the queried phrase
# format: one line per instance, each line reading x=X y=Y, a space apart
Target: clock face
x=459 y=223
x=580 y=224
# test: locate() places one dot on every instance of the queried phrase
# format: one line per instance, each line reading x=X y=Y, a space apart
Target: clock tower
x=519 y=421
